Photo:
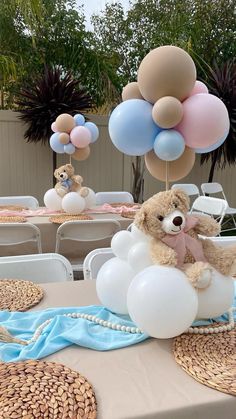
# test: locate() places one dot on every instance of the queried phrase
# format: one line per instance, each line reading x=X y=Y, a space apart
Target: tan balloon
x=64 y=138
x=166 y=71
x=81 y=153
x=131 y=91
x=167 y=112
x=177 y=169
x=65 y=122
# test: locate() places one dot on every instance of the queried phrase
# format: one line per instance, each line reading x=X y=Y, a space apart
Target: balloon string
x=70 y=159
x=167 y=176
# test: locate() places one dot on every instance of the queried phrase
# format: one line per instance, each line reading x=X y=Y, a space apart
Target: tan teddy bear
x=68 y=181
x=175 y=240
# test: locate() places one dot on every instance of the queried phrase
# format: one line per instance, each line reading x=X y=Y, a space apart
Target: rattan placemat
x=13 y=207
x=125 y=204
x=12 y=219
x=19 y=295
x=38 y=389
x=60 y=219
x=128 y=214
x=210 y=359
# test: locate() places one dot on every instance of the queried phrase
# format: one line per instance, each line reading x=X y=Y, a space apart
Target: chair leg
x=39 y=245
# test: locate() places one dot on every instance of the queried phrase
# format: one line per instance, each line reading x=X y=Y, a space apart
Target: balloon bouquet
x=168 y=116
x=73 y=136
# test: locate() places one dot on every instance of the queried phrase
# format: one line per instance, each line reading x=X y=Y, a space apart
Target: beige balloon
x=177 y=169
x=65 y=122
x=167 y=112
x=81 y=153
x=166 y=71
x=131 y=91
x=64 y=138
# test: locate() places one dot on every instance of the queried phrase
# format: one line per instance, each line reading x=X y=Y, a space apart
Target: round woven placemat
x=38 y=389
x=125 y=204
x=128 y=214
x=12 y=219
x=19 y=295
x=210 y=359
x=60 y=219
x=13 y=207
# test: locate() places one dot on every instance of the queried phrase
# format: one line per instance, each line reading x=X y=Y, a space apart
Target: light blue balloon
x=69 y=148
x=169 y=145
x=55 y=143
x=212 y=147
x=131 y=127
x=93 y=130
x=79 y=119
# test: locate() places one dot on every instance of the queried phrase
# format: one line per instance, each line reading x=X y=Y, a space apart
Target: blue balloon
x=131 y=127
x=93 y=130
x=55 y=143
x=79 y=119
x=169 y=145
x=212 y=147
x=69 y=148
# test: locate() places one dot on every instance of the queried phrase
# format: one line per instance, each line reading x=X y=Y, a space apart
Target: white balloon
x=90 y=199
x=112 y=284
x=162 y=302
x=139 y=256
x=121 y=243
x=72 y=203
x=217 y=298
x=138 y=235
x=52 y=200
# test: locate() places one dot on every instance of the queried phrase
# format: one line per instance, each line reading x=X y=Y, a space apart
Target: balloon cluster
x=168 y=115
x=159 y=299
x=73 y=136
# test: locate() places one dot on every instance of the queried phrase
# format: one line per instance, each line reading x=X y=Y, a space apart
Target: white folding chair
x=211 y=206
x=26 y=201
x=86 y=231
x=189 y=188
x=215 y=188
x=113 y=197
x=94 y=260
x=47 y=267
x=14 y=233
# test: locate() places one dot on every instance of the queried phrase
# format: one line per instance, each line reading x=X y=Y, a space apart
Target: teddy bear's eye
x=175 y=205
x=160 y=217
x=64 y=171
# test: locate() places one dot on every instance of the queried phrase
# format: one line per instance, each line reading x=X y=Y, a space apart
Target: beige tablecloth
x=48 y=236
x=141 y=381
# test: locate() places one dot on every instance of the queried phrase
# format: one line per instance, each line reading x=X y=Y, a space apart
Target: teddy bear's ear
x=56 y=173
x=69 y=166
x=182 y=197
x=141 y=219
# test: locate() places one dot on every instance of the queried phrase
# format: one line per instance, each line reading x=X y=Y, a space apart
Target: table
x=48 y=236
x=141 y=381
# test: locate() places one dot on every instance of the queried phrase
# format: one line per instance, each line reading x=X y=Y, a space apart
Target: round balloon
x=112 y=284
x=81 y=153
x=212 y=147
x=131 y=91
x=138 y=235
x=90 y=199
x=121 y=242
x=205 y=121
x=167 y=112
x=166 y=71
x=162 y=302
x=79 y=119
x=53 y=127
x=65 y=122
x=52 y=200
x=199 y=87
x=93 y=131
x=73 y=203
x=64 y=138
x=69 y=148
x=139 y=256
x=169 y=145
x=178 y=169
x=131 y=127
x=80 y=137
x=55 y=143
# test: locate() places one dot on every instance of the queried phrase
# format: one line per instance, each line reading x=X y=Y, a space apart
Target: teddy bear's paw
x=61 y=192
x=84 y=192
x=233 y=269
x=204 y=279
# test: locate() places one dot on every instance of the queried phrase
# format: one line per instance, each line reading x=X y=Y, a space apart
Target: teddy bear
x=67 y=181
x=175 y=238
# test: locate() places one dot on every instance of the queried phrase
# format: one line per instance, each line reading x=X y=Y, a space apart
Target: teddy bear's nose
x=61 y=175
x=177 y=221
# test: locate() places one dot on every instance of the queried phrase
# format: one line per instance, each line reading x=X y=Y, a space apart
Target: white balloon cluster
x=159 y=299
x=72 y=202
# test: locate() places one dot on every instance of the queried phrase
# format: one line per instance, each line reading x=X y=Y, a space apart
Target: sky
x=95 y=6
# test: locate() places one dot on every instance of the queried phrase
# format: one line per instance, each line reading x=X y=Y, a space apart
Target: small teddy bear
x=175 y=240
x=68 y=181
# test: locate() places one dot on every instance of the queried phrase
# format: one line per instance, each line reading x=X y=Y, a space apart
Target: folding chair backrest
x=113 y=197
x=15 y=233
x=47 y=267
x=212 y=188
x=210 y=206
x=26 y=201
x=189 y=188
x=94 y=260
x=224 y=241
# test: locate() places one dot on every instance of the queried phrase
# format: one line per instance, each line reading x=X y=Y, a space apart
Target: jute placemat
x=13 y=207
x=210 y=359
x=12 y=219
x=128 y=214
x=19 y=295
x=38 y=389
x=60 y=219
x=125 y=204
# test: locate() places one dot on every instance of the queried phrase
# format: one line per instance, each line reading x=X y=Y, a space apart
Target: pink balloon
x=205 y=121
x=199 y=87
x=53 y=127
x=80 y=137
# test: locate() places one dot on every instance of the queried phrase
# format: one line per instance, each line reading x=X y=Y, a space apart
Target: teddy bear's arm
x=162 y=254
x=207 y=226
